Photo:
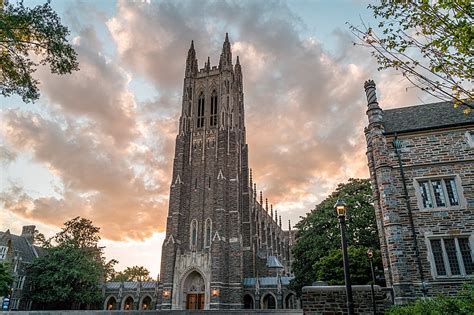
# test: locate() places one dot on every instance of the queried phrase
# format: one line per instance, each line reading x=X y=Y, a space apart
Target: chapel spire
x=225 y=62
x=191 y=62
x=238 y=75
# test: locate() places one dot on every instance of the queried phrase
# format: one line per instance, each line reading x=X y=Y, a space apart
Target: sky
x=99 y=143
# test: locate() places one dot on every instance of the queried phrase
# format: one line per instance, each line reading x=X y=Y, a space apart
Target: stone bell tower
x=202 y=258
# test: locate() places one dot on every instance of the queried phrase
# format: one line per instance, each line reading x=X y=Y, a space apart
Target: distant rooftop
x=426 y=116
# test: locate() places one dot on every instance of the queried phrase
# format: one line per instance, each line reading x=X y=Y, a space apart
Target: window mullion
x=446 y=259
x=445 y=192
x=459 y=257
x=432 y=195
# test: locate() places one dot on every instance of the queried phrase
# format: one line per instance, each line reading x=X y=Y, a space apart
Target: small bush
x=462 y=303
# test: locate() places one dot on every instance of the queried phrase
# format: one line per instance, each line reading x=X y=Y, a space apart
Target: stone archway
x=127 y=304
x=146 y=303
x=290 y=301
x=194 y=291
x=248 y=302
x=269 y=302
x=110 y=303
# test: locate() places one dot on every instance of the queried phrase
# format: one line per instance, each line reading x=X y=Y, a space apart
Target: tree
x=25 y=31
x=318 y=233
x=70 y=274
x=330 y=268
x=135 y=273
x=429 y=42
x=6 y=279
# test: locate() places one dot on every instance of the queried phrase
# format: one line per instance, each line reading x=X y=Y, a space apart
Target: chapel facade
x=223 y=248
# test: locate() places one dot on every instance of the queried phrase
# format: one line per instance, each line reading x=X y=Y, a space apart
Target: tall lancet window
x=200 y=114
x=208 y=233
x=194 y=228
x=214 y=108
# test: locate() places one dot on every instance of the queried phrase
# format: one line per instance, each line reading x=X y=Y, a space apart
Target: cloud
x=7 y=156
x=98 y=181
x=98 y=92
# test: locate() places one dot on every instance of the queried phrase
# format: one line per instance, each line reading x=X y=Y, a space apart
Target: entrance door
x=194 y=291
x=195 y=301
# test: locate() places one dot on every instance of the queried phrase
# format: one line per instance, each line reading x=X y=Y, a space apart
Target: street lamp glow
x=341 y=208
x=370 y=253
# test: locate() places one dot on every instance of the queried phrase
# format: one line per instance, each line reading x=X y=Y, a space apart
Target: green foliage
x=72 y=270
x=318 y=233
x=429 y=42
x=330 y=268
x=461 y=304
x=135 y=273
x=25 y=31
x=6 y=279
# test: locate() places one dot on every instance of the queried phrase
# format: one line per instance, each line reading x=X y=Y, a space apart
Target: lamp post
x=341 y=210
x=370 y=255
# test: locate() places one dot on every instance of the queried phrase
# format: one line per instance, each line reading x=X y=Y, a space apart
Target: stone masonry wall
x=332 y=299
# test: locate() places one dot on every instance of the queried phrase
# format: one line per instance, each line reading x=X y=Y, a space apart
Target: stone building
x=130 y=295
x=18 y=251
x=224 y=249
x=421 y=162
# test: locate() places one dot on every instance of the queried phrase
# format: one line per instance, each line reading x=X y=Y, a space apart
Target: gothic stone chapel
x=223 y=249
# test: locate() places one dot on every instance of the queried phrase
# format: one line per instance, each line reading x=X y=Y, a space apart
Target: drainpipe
x=398 y=145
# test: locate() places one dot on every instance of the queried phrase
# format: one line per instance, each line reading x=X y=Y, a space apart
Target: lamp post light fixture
x=341 y=210
x=370 y=255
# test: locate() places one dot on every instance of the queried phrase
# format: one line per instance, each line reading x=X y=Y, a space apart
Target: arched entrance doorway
x=268 y=302
x=248 y=302
x=194 y=291
x=290 y=301
x=111 y=304
x=128 y=304
x=146 y=303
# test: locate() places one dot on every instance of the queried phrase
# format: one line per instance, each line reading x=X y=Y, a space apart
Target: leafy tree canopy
x=330 y=268
x=318 y=233
x=429 y=42
x=70 y=273
x=135 y=273
x=6 y=279
x=30 y=37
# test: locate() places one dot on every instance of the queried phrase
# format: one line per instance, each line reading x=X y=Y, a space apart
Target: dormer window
x=200 y=113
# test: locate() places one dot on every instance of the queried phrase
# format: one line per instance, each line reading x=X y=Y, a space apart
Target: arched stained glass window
x=200 y=113
x=214 y=108
x=194 y=228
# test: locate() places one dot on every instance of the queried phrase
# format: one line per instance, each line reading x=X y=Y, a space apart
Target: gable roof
x=423 y=117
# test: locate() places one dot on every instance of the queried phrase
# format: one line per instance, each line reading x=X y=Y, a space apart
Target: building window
x=452 y=256
x=208 y=232
x=20 y=282
x=200 y=114
x=214 y=108
x=15 y=304
x=470 y=138
x=3 y=252
x=194 y=228
x=438 y=192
